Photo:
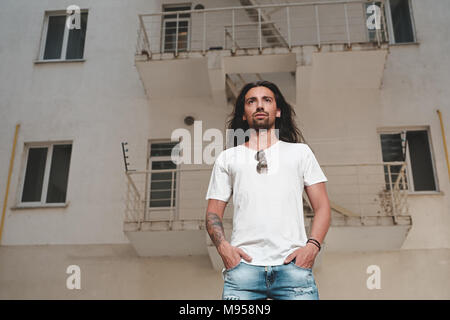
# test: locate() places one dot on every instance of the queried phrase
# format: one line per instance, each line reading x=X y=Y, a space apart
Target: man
x=269 y=255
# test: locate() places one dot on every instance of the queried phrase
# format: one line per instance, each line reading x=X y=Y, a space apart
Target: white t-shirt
x=268 y=208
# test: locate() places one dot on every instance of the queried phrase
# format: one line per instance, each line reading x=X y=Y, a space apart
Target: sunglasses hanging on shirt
x=261 y=167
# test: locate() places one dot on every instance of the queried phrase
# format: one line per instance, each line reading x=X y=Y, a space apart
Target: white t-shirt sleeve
x=312 y=173
x=220 y=185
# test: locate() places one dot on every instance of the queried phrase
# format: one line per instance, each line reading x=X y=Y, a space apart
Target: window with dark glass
x=62 y=42
x=77 y=37
x=55 y=36
x=401 y=21
x=34 y=175
x=59 y=173
x=416 y=144
x=40 y=186
x=162 y=184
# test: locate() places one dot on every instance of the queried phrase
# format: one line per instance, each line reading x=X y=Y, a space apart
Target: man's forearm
x=214 y=227
x=321 y=223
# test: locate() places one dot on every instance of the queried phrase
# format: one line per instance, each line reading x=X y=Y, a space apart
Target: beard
x=261 y=124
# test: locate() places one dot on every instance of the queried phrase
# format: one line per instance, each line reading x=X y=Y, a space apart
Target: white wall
x=101 y=102
x=97 y=103
x=415 y=85
x=39 y=272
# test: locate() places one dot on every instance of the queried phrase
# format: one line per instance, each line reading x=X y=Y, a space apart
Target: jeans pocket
x=225 y=272
x=232 y=268
x=303 y=277
x=296 y=266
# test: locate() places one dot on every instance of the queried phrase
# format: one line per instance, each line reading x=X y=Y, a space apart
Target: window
x=399 y=18
x=60 y=43
x=176 y=31
x=402 y=25
x=162 y=185
x=413 y=147
x=46 y=174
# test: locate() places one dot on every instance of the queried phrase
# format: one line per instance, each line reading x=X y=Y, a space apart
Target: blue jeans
x=282 y=282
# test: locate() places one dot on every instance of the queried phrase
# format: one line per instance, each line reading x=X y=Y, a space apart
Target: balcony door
x=161 y=191
x=176 y=30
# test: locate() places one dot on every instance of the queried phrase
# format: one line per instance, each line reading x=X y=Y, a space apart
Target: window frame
x=410 y=180
x=188 y=44
x=163 y=26
x=48 y=163
x=391 y=26
x=148 y=182
x=44 y=31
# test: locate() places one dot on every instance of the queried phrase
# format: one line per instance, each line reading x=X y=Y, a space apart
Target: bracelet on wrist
x=314 y=242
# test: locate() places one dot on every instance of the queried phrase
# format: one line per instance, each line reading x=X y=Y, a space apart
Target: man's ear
x=278 y=115
x=244 y=118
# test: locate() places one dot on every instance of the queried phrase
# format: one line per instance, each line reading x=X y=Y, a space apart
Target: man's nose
x=259 y=103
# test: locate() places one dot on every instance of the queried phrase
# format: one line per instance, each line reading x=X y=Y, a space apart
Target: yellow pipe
x=11 y=164
x=445 y=142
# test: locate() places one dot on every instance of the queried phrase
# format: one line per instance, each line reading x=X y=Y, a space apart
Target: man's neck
x=261 y=140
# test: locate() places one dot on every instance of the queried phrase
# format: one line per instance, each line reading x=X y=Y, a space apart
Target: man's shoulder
x=227 y=154
x=295 y=145
x=296 y=150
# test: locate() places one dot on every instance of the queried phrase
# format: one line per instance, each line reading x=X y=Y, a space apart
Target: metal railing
x=183 y=193
x=364 y=190
x=259 y=27
x=361 y=190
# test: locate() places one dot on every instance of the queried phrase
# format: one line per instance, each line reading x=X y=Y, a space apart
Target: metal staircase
x=268 y=28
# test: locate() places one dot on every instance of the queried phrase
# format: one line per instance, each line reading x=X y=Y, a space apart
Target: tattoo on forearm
x=214 y=227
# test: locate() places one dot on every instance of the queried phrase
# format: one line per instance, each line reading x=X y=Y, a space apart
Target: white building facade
x=372 y=104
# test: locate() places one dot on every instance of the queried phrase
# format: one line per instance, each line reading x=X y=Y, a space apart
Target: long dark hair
x=288 y=130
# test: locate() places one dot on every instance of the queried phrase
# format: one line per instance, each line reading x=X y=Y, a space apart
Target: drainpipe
x=11 y=163
x=444 y=141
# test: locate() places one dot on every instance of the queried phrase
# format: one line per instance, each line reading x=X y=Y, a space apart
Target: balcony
x=251 y=27
x=368 y=201
x=321 y=44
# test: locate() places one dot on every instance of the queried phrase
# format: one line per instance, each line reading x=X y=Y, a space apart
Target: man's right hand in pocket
x=231 y=256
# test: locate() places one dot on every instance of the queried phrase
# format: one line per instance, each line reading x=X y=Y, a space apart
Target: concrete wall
x=115 y=272
x=415 y=85
x=103 y=103
x=97 y=104
x=412 y=87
